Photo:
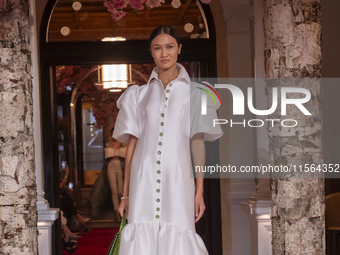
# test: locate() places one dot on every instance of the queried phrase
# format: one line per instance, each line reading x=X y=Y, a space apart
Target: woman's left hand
x=199 y=206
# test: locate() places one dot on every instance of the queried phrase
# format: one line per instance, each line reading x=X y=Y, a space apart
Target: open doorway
x=84 y=47
x=86 y=115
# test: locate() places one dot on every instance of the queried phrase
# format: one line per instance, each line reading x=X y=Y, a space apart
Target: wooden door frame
x=132 y=52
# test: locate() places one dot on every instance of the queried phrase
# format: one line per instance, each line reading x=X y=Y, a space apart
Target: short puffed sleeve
x=127 y=118
x=200 y=123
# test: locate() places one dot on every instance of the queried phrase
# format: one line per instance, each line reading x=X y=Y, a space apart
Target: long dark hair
x=164 y=30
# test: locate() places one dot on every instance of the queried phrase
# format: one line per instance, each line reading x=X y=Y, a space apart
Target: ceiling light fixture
x=76 y=6
x=65 y=31
x=188 y=27
x=114 y=77
x=176 y=4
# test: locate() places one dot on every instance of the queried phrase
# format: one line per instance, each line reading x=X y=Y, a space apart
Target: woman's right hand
x=124 y=206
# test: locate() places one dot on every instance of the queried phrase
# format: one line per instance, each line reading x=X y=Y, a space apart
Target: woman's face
x=164 y=50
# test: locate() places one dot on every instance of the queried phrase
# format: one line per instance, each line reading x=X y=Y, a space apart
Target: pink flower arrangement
x=68 y=76
x=137 y=4
x=115 y=7
x=103 y=101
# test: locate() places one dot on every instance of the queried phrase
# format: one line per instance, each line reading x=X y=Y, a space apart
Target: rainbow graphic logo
x=210 y=88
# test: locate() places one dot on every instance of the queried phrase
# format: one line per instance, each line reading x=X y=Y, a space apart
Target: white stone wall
x=46 y=215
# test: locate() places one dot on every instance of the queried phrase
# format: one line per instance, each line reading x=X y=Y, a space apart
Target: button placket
x=159 y=154
x=158 y=189
x=167 y=94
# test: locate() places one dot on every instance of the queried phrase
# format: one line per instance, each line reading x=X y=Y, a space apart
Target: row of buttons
x=158 y=200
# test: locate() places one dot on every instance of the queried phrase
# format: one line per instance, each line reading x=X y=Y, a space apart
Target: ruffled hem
x=160 y=238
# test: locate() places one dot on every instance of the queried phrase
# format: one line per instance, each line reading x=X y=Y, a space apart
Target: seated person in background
x=74 y=220
x=68 y=238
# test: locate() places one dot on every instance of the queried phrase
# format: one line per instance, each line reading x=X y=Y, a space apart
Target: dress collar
x=182 y=75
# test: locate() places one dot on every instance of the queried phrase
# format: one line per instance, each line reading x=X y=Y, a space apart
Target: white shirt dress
x=161 y=193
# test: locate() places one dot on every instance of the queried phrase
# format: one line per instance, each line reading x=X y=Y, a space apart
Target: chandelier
x=114 y=77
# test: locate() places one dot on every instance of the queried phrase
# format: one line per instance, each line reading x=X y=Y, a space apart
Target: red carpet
x=95 y=242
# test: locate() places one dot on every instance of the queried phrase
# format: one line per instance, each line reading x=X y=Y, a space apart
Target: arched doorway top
x=92 y=22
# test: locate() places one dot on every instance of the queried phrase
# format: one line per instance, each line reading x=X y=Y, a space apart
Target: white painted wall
x=46 y=215
x=238 y=15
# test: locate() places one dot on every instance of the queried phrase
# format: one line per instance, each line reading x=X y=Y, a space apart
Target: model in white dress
x=161 y=190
